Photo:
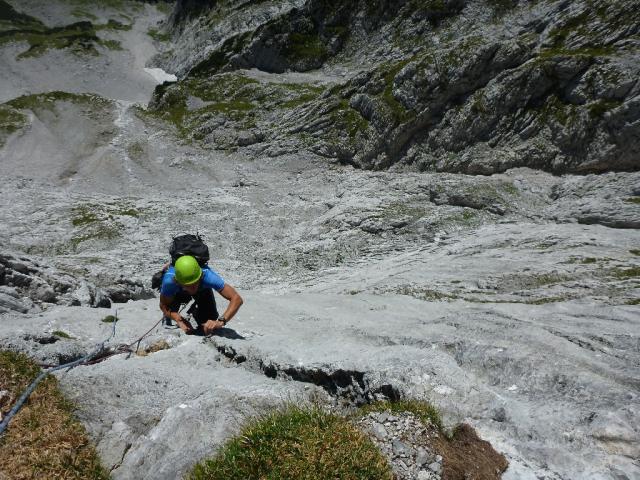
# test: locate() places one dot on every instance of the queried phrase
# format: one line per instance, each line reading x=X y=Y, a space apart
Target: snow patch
x=160 y=76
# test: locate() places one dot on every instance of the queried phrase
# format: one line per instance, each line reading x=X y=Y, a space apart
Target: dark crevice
x=351 y=386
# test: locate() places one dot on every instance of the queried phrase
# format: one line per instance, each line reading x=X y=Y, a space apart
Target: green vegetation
x=466 y=218
x=502 y=6
x=11 y=120
x=426 y=412
x=237 y=98
x=421 y=293
x=114 y=25
x=399 y=210
x=635 y=301
x=574 y=52
x=592 y=28
x=574 y=25
x=79 y=37
x=625 y=273
x=100 y=221
x=165 y=6
x=598 y=108
x=632 y=199
x=635 y=252
x=347 y=119
x=297 y=443
x=135 y=149
x=389 y=72
x=61 y=334
x=303 y=93
x=433 y=10
x=159 y=36
x=83 y=14
x=83 y=217
x=102 y=232
x=544 y=300
x=48 y=100
x=478 y=103
x=109 y=319
x=302 y=46
x=44 y=440
x=87 y=214
x=219 y=58
x=585 y=260
x=544 y=279
x=553 y=109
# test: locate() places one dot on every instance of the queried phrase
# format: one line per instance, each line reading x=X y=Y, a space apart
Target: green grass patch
x=544 y=300
x=190 y=103
x=635 y=252
x=624 y=273
x=115 y=25
x=423 y=410
x=79 y=37
x=635 y=301
x=89 y=214
x=575 y=52
x=43 y=440
x=111 y=44
x=598 y=108
x=390 y=70
x=165 y=7
x=219 y=58
x=397 y=210
x=100 y=232
x=11 y=120
x=61 y=334
x=554 y=109
x=302 y=46
x=159 y=36
x=48 y=100
x=296 y=443
x=421 y=293
x=347 y=119
x=302 y=93
x=544 y=279
x=632 y=200
x=109 y=319
x=83 y=14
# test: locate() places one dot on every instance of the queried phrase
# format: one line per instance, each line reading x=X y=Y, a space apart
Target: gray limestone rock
x=506 y=298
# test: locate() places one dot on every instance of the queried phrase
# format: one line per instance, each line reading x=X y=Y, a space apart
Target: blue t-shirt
x=210 y=279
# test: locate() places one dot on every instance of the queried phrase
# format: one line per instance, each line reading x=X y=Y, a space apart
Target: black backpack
x=189 y=245
x=183 y=245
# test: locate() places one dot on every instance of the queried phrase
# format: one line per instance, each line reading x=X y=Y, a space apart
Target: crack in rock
x=351 y=386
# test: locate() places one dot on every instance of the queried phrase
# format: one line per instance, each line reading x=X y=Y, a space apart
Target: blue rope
x=25 y=396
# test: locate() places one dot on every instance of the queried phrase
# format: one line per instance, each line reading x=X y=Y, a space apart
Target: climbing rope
x=95 y=356
x=25 y=395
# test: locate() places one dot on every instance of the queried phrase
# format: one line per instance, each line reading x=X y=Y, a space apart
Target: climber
x=186 y=280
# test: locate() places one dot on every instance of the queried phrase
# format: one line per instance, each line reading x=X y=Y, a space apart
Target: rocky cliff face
x=459 y=86
x=508 y=300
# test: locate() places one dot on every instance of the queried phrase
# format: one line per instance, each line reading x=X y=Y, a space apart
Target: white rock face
x=509 y=301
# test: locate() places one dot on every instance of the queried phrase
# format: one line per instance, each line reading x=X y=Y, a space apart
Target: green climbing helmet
x=188 y=270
